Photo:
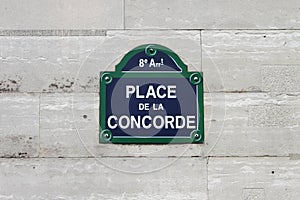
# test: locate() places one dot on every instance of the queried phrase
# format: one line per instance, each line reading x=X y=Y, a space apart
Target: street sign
x=151 y=98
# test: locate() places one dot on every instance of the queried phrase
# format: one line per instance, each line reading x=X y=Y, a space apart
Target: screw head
x=106 y=136
x=195 y=78
x=196 y=136
x=107 y=78
x=150 y=50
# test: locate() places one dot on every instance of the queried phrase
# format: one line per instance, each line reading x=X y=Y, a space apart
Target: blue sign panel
x=151 y=98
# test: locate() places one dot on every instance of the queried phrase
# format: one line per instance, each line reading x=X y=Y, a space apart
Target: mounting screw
x=106 y=136
x=107 y=78
x=150 y=50
x=196 y=135
x=195 y=78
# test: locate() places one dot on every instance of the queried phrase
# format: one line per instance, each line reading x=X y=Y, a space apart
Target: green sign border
x=196 y=78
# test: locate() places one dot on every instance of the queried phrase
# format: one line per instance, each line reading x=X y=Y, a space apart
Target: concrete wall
x=51 y=52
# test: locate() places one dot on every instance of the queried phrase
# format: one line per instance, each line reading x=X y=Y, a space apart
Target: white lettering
x=190 y=120
x=151 y=92
x=109 y=122
x=172 y=91
x=170 y=121
x=155 y=124
x=161 y=87
x=144 y=106
x=121 y=122
x=177 y=124
x=136 y=122
x=146 y=122
x=160 y=92
x=130 y=89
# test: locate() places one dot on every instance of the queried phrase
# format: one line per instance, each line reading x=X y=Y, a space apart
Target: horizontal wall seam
x=57 y=32
x=151 y=157
x=203 y=29
x=103 y=32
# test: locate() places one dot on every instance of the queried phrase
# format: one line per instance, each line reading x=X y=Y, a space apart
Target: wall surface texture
x=51 y=53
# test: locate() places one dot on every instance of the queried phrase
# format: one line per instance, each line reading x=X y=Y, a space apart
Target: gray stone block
x=251 y=124
x=69 y=111
x=105 y=178
x=72 y=64
x=48 y=14
x=253 y=178
x=19 y=125
x=195 y=14
x=48 y=64
x=239 y=61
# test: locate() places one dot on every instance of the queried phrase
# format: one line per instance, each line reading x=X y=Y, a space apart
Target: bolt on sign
x=151 y=98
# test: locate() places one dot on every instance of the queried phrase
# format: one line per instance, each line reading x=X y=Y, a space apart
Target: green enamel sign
x=151 y=98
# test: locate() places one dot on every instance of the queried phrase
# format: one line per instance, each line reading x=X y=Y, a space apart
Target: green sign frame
x=196 y=78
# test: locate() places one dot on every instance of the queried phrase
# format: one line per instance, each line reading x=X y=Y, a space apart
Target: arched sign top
x=151 y=58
